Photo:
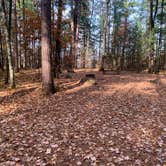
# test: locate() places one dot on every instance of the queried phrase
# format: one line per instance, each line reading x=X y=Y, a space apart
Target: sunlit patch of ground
x=163 y=81
x=28 y=87
x=27 y=82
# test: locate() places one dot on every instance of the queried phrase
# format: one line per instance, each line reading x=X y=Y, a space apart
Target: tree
x=47 y=76
x=7 y=29
x=152 y=17
x=58 y=39
x=16 y=37
x=74 y=28
x=105 y=29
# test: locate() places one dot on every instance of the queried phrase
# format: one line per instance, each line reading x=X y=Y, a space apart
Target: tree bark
x=47 y=76
x=152 y=17
x=24 y=37
x=15 y=38
x=161 y=23
x=74 y=28
x=58 y=39
x=8 y=41
x=105 y=29
x=1 y=52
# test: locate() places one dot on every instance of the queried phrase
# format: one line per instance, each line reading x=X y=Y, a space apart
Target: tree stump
x=68 y=75
x=102 y=70
x=91 y=78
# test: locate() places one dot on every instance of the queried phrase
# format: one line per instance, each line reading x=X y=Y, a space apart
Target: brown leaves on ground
x=121 y=120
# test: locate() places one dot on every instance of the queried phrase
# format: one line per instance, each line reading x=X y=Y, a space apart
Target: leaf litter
x=121 y=120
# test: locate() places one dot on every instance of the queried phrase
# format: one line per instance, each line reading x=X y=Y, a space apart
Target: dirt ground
x=119 y=121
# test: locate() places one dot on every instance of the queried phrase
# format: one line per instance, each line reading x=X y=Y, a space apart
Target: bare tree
x=47 y=76
x=7 y=29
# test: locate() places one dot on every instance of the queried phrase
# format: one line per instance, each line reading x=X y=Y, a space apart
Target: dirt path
x=119 y=121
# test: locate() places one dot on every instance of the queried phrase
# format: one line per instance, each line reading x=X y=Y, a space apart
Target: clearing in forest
x=120 y=120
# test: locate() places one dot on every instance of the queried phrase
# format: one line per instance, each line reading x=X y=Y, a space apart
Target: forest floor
x=119 y=121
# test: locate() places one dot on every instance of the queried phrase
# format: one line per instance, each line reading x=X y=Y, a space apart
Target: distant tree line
x=59 y=34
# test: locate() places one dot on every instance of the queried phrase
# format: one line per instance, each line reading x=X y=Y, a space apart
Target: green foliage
x=28 y=4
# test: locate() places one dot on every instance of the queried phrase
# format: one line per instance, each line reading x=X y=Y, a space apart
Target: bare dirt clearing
x=121 y=120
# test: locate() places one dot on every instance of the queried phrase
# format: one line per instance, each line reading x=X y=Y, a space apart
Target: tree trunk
x=47 y=76
x=1 y=52
x=16 y=38
x=105 y=26
x=8 y=41
x=24 y=37
x=124 y=42
x=152 y=17
x=74 y=28
x=58 y=39
x=161 y=23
